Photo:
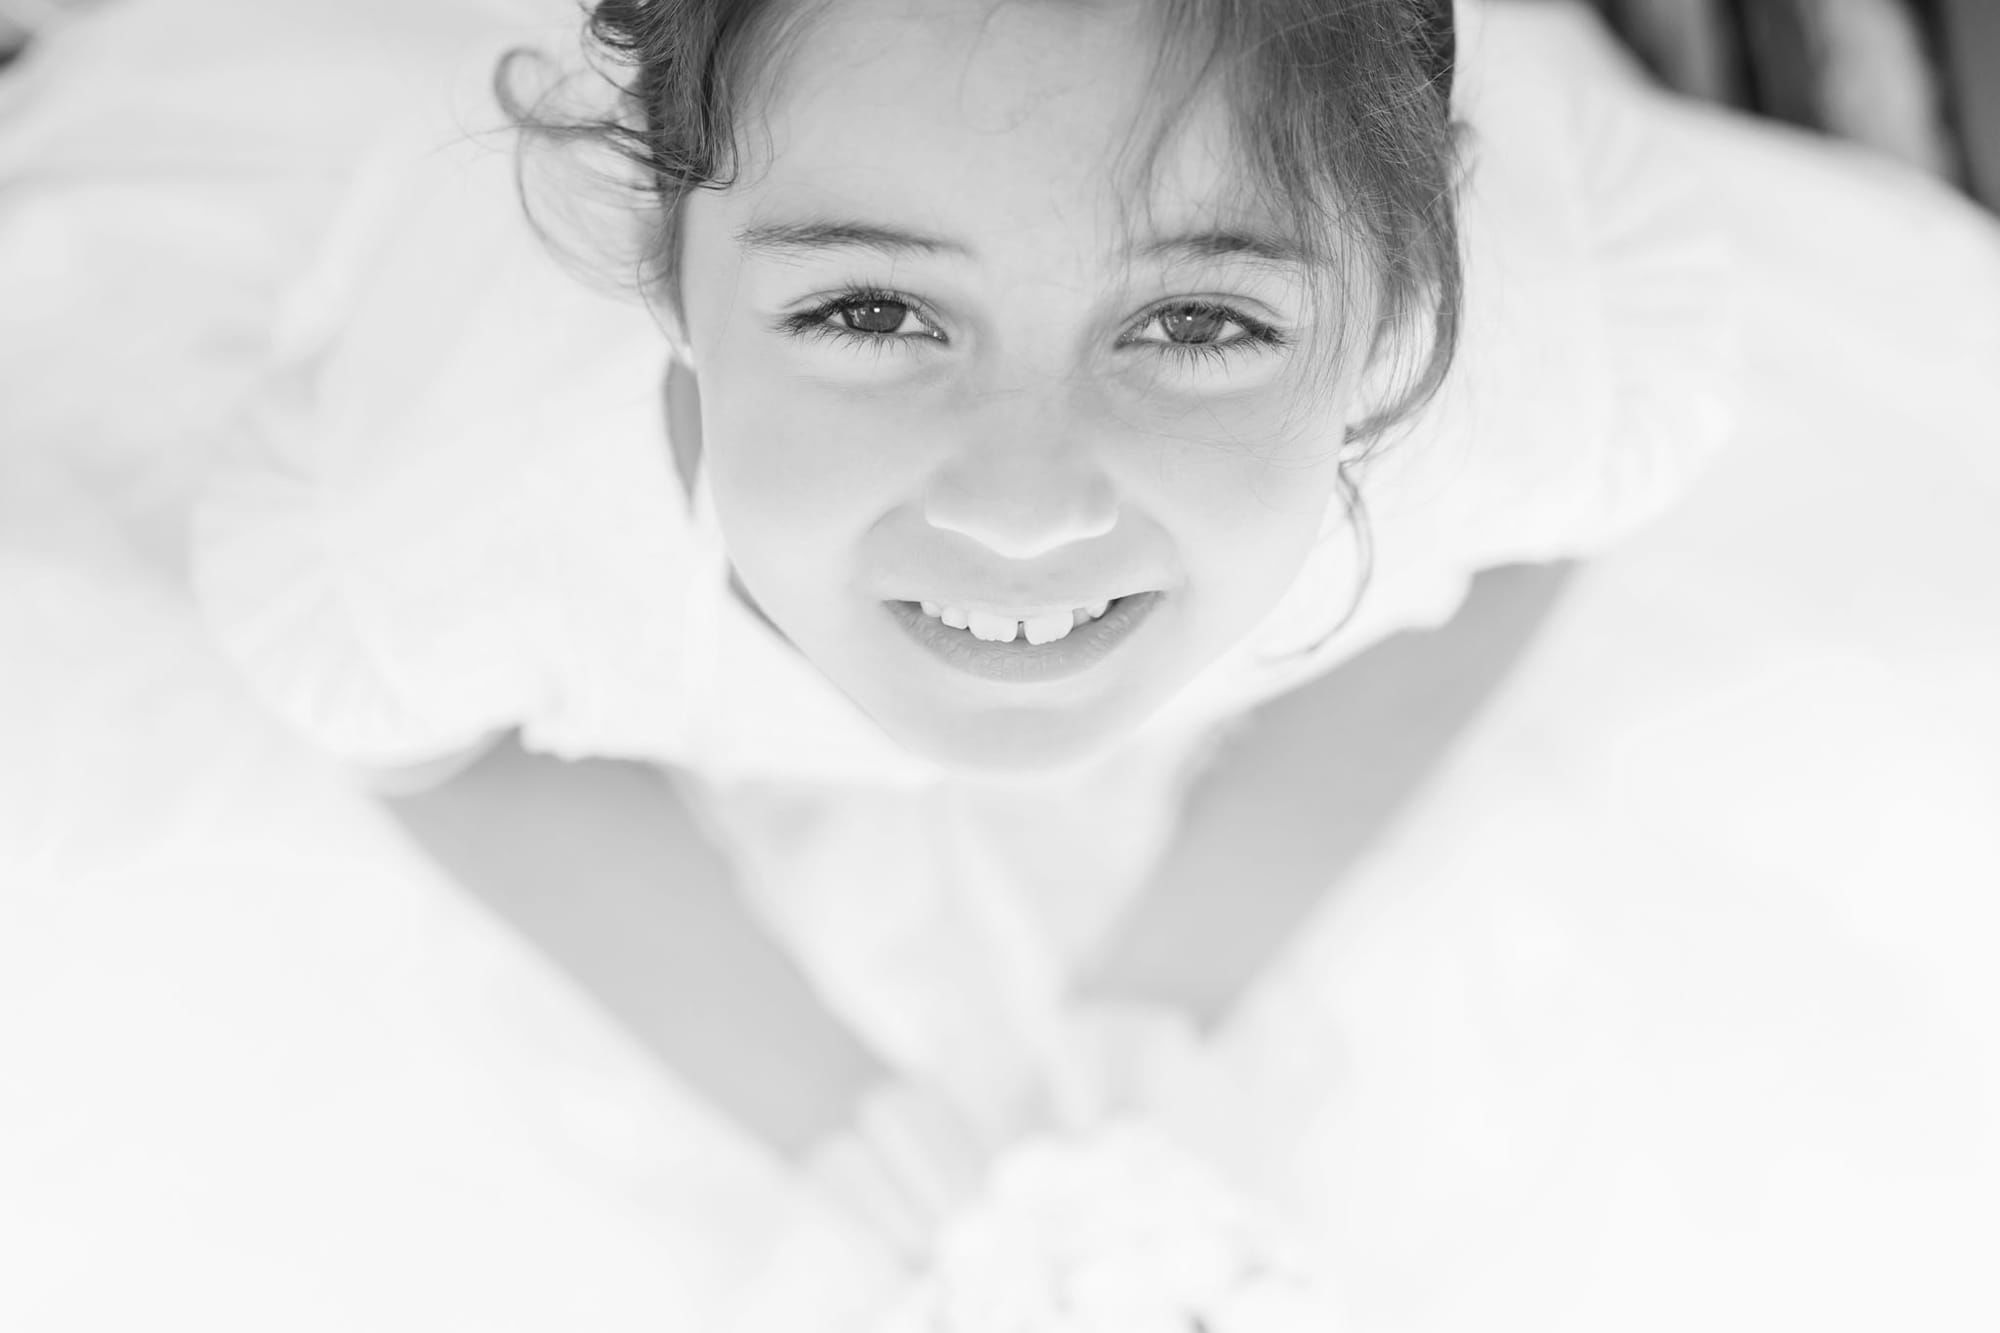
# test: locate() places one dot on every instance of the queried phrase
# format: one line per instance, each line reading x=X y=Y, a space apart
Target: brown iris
x=874 y=316
x=1193 y=323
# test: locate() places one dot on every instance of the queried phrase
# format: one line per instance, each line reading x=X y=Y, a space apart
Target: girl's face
x=943 y=358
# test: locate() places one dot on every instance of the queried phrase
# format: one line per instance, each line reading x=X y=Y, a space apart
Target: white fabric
x=171 y=169
x=1668 y=1006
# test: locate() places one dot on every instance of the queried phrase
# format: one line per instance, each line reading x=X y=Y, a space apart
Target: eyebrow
x=1229 y=245
x=817 y=235
x=808 y=237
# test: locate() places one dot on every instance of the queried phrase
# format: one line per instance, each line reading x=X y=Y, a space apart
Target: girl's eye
x=1195 y=329
x=863 y=317
x=874 y=316
x=1193 y=324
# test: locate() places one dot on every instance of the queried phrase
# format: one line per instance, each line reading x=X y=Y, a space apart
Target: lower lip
x=1021 y=662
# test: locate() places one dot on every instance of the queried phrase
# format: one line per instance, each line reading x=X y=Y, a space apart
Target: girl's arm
x=603 y=867
x=1301 y=792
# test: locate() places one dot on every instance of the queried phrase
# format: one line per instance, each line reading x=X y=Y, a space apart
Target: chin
x=1009 y=745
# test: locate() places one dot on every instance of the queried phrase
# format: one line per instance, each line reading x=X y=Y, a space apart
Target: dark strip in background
x=1812 y=63
x=1971 y=42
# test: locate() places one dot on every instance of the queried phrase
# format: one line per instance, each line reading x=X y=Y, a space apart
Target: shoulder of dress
x=1599 y=373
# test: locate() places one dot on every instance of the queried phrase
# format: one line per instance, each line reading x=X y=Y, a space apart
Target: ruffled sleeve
x=1596 y=378
x=447 y=512
x=1597 y=371
x=275 y=304
x=169 y=166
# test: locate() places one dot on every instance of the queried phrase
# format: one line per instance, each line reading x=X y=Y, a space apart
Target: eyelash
x=817 y=323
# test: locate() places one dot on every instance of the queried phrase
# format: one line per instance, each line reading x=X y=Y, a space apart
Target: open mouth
x=1047 y=628
x=1085 y=643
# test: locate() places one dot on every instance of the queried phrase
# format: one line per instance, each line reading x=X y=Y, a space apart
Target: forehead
x=1001 y=119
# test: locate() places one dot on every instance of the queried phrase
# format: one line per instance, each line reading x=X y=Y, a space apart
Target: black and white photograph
x=999 y=666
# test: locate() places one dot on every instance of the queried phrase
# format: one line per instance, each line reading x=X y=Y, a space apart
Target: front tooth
x=1049 y=628
x=931 y=609
x=953 y=617
x=992 y=628
x=1096 y=609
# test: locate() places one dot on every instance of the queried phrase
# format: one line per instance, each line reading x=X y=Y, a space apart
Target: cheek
x=1251 y=476
x=801 y=478
x=1254 y=530
x=1246 y=515
x=772 y=446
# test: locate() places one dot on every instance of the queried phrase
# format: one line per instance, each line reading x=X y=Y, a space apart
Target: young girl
x=1033 y=928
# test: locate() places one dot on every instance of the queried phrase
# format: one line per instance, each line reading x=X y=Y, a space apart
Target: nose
x=1024 y=496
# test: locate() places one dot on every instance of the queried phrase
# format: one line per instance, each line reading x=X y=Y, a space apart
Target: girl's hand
x=1127 y=1196
x=908 y=1164
x=1117 y=1228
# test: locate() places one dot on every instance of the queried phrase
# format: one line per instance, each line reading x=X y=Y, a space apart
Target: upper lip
x=1024 y=607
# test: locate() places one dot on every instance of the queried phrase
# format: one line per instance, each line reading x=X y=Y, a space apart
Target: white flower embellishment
x=1113 y=1230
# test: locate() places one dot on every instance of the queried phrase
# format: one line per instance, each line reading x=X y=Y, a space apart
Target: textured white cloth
x=1668 y=1006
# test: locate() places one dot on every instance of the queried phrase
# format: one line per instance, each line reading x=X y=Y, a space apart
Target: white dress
x=1668 y=1003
